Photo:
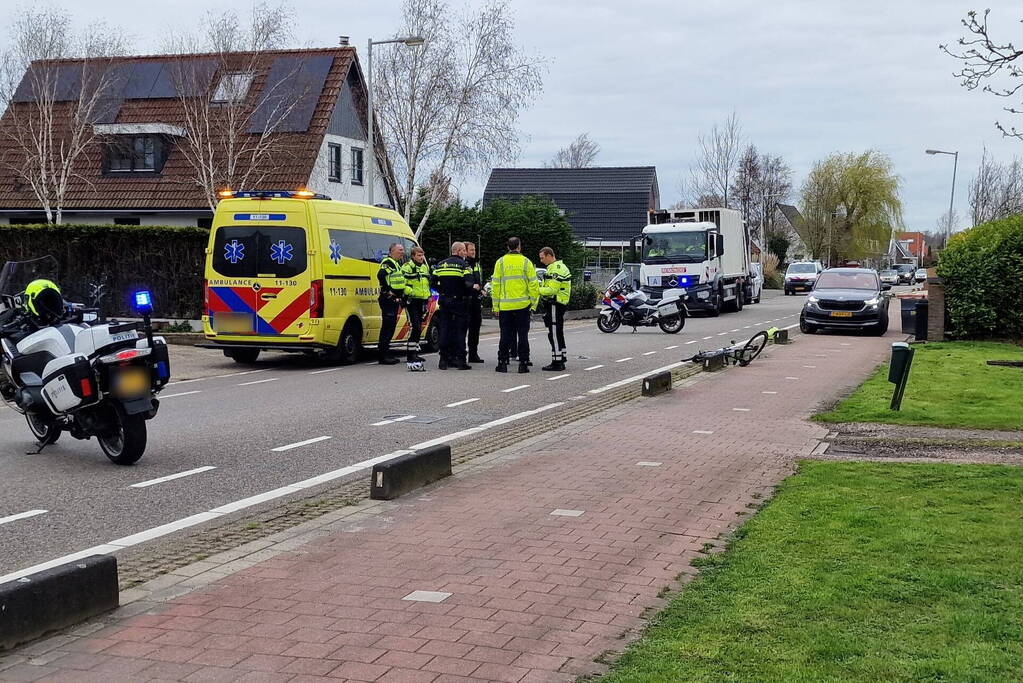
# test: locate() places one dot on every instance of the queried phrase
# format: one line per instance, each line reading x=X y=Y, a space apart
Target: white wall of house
x=73 y=218
x=345 y=191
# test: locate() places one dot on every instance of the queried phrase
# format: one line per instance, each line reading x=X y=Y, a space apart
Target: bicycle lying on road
x=741 y=354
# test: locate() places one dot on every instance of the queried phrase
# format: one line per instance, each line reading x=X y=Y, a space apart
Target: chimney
x=343 y=40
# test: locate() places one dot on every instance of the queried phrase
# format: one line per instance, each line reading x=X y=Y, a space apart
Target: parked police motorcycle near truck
x=624 y=304
x=65 y=373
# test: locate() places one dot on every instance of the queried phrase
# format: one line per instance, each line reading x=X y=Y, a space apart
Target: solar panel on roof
x=69 y=82
x=293 y=86
x=140 y=81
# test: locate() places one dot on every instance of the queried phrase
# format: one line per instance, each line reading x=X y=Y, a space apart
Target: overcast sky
x=644 y=77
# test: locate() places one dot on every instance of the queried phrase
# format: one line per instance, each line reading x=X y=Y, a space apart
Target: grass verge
x=950 y=385
x=855 y=572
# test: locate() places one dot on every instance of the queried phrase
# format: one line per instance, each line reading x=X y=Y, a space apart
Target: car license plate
x=230 y=322
x=131 y=382
x=841 y=314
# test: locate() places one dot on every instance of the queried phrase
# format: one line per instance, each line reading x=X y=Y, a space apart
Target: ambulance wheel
x=431 y=340
x=45 y=431
x=243 y=356
x=350 y=343
x=124 y=441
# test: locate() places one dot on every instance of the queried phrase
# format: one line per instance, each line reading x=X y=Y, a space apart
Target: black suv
x=847 y=299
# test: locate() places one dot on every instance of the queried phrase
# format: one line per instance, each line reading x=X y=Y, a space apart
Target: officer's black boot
x=475 y=358
x=443 y=365
x=501 y=367
x=555 y=366
x=524 y=367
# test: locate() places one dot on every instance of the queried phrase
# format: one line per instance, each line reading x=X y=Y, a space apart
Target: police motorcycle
x=627 y=305
x=66 y=373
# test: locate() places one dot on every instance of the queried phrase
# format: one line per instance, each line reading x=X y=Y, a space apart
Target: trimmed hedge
x=983 y=273
x=166 y=260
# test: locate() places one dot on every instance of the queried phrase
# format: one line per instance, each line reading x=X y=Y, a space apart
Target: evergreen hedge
x=983 y=273
x=166 y=260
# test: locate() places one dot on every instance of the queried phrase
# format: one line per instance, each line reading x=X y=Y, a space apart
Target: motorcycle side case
x=69 y=383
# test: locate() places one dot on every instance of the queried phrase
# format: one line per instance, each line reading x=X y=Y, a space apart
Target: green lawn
x=950 y=385
x=856 y=572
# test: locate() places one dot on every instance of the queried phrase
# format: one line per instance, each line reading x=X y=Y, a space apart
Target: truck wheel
x=719 y=301
x=242 y=356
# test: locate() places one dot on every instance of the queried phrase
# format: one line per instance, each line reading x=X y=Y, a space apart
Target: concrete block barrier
x=657 y=384
x=713 y=363
x=781 y=337
x=55 y=598
x=408 y=472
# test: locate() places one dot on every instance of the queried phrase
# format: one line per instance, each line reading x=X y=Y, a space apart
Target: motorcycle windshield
x=619 y=281
x=16 y=275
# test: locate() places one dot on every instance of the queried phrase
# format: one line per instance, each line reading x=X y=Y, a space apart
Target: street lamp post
x=411 y=41
x=952 y=197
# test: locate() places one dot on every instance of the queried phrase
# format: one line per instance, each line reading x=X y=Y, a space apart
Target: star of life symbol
x=281 y=252
x=234 y=251
x=335 y=252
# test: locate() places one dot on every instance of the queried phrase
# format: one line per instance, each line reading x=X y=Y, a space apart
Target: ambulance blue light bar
x=271 y=194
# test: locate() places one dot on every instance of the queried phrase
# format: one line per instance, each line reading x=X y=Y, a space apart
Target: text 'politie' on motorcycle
x=625 y=304
x=65 y=372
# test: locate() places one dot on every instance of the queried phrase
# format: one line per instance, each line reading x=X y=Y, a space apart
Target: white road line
x=170 y=477
x=790 y=327
x=391 y=420
x=567 y=374
x=21 y=515
x=239 y=374
x=185 y=381
x=673 y=346
x=461 y=403
x=721 y=334
x=593 y=367
x=508 y=391
x=183 y=393
x=320 y=372
x=746 y=327
x=259 y=381
x=649 y=353
x=634 y=378
x=702 y=431
x=709 y=337
x=281 y=449
x=791 y=378
x=483 y=427
x=768 y=392
x=622 y=360
x=741 y=410
x=690 y=342
x=736 y=329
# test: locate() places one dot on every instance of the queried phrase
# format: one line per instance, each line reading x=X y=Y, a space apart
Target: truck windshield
x=675 y=247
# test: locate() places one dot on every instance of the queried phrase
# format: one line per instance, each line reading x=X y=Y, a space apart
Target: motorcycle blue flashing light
x=144 y=301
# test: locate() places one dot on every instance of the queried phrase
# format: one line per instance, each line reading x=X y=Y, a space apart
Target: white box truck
x=704 y=251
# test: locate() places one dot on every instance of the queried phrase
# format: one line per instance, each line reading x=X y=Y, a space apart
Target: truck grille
x=835 y=305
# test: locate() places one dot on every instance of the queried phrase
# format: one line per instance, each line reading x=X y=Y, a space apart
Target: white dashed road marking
x=183 y=393
x=551 y=379
x=593 y=367
x=508 y=391
x=392 y=420
x=259 y=381
x=702 y=431
x=170 y=477
x=673 y=346
x=622 y=360
x=22 y=515
x=649 y=353
x=281 y=449
x=461 y=403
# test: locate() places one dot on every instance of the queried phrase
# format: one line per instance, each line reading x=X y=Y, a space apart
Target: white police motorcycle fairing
x=628 y=305
x=71 y=374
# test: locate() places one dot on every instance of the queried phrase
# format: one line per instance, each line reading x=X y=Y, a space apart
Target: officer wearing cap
x=453 y=280
x=475 y=304
x=392 y=290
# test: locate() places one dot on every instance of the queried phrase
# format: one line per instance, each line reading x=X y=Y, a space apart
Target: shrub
x=983 y=273
x=584 y=296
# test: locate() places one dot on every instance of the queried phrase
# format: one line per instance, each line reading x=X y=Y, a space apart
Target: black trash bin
x=920 y=313
x=908 y=316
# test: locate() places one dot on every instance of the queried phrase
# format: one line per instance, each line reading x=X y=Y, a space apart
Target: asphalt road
x=289 y=420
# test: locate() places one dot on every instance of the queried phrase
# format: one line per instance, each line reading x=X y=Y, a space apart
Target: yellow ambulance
x=297 y=271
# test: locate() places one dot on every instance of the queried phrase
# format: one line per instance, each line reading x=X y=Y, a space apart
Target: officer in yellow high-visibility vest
x=392 y=292
x=515 y=293
x=555 y=292
x=417 y=295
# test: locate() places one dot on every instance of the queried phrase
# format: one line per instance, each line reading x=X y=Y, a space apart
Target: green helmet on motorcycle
x=43 y=300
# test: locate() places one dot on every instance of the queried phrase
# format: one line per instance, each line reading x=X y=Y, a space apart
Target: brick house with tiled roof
x=136 y=171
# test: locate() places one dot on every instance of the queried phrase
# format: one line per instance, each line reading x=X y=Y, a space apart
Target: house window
x=356 y=166
x=333 y=162
x=135 y=154
x=232 y=88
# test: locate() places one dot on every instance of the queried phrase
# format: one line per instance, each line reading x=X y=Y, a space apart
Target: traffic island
x=56 y=598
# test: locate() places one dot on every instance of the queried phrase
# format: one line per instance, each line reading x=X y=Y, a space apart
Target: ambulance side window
x=379 y=245
x=353 y=244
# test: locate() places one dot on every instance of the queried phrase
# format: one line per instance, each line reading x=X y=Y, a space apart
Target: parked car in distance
x=800 y=276
x=920 y=275
x=846 y=299
x=889 y=277
x=906 y=272
x=756 y=283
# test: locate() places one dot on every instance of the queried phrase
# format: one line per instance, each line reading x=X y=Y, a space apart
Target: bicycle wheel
x=753 y=348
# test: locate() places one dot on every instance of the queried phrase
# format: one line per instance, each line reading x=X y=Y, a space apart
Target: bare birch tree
x=224 y=143
x=717 y=160
x=52 y=106
x=996 y=191
x=580 y=153
x=451 y=106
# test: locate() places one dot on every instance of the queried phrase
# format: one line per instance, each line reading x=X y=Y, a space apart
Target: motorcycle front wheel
x=124 y=441
x=45 y=432
x=672 y=324
x=609 y=322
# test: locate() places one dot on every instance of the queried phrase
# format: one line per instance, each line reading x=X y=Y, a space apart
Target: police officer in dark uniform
x=453 y=280
x=475 y=304
x=392 y=292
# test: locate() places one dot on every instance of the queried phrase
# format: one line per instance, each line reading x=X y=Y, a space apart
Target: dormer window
x=135 y=154
x=232 y=88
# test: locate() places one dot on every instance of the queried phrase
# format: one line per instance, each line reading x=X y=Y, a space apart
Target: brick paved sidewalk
x=543 y=557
